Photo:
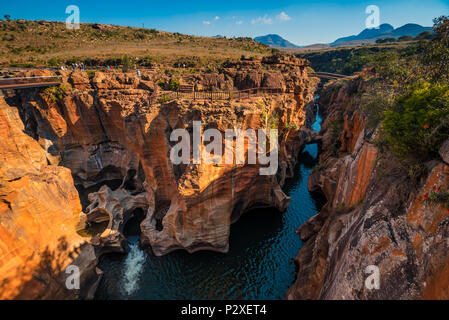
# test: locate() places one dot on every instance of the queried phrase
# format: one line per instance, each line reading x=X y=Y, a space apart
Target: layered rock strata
x=39 y=208
x=374 y=215
x=102 y=136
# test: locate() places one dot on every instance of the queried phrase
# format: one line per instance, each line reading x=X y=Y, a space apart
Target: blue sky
x=302 y=21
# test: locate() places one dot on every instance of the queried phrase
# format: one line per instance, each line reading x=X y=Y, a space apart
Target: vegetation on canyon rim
x=409 y=96
x=44 y=43
x=348 y=60
x=56 y=94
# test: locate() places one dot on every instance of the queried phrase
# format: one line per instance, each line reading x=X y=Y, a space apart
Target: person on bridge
x=138 y=73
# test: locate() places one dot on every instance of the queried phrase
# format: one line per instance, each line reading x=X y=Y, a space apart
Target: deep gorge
x=258 y=265
x=86 y=180
x=102 y=132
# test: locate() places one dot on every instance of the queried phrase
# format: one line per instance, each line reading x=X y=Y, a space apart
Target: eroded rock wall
x=102 y=136
x=39 y=208
x=374 y=215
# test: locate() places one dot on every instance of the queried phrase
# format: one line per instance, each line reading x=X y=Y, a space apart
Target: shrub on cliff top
x=436 y=56
x=419 y=122
x=161 y=84
x=174 y=84
x=410 y=97
x=56 y=94
x=126 y=63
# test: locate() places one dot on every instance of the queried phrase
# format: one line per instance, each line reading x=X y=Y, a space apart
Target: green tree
x=174 y=84
x=419 y=122
x=436 y=57
x=53 y=62
x=425 y=35
x=406 y=38
x=126 y=63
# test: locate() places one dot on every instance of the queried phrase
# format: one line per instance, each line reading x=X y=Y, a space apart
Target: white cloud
x=239 y=22
x=206 y=22
x=283 y=17
x=217 y=18
x=265 y=20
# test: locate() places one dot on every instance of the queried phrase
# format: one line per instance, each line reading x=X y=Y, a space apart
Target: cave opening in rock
x=132 y=226
x=130 y=183
x=244 y=235
x=110 y=176
x=238 y=211
x=134 y=180
x=162 y=207
x=319 y=197
x=94 y=228
x=84 y=192
x=97 y=223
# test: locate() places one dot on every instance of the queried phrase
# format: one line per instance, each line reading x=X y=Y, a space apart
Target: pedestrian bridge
x=328 y=75
x=29 y=82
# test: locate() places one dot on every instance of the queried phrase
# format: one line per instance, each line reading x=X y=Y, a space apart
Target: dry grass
x=42 y=43
x=396 y=45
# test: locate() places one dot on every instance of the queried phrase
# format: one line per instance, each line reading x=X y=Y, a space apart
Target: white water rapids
x=133 y=268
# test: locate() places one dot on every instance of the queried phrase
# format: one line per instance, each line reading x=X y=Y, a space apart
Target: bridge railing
x=29 y=80
x=328 y=75
x=168 y=96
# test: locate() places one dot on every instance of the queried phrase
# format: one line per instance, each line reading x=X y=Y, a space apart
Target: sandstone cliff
x=374 y=215
x=39 y=208
x=102 y=136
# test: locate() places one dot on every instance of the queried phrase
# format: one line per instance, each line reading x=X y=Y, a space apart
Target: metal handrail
x=329 y=74
x=25 y=78
x=29 y=81
x=214 y=95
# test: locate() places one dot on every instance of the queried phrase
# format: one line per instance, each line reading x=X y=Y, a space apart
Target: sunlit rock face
x=374 y=216
x=39 y=208
x=98 y=153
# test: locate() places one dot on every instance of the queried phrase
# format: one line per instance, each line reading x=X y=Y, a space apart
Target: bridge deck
x=28 y=85
x=328 y=75
x=29 y=82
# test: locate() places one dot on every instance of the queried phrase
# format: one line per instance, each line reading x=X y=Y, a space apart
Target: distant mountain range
x=366 y=36
x=274 y=40
x=384 y=31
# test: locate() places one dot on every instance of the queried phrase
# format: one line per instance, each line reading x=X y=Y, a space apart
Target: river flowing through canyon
x=259 y=264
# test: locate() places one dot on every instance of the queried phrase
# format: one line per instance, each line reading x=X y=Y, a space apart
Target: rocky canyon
x=376 y=213
x=84 y=161
x=81 y=160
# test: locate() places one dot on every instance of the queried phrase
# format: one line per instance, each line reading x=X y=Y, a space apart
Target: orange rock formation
x=374 y=215
x=101 y=136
